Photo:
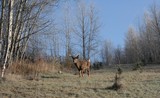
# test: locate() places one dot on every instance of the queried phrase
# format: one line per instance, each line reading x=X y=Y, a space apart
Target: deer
x=82 y=65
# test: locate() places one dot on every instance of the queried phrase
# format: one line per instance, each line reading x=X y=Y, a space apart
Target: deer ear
x=77 y=56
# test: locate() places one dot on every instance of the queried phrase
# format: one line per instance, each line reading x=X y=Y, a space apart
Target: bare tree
x=131 y=46
x=149 y=38
x=155 y=29
x=87 y=28
x=94 y=26
x=82 y=26
x=107 y=53
x=11 y=4
x=3 y=4
x=118 y=55
x=67 y=28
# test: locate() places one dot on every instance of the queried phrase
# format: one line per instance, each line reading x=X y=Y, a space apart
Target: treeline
x=141 y=45
x=144 y=44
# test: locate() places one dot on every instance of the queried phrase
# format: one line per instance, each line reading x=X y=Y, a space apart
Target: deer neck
x=78 y=65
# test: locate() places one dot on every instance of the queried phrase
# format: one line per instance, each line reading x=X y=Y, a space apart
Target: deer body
x=82 y=65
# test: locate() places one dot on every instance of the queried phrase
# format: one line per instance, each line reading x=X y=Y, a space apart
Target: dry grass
x=30 y=70
x=67 y=85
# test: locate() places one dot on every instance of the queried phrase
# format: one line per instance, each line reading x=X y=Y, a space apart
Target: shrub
x=117 y=85
x=138 y=66
x=97 y=65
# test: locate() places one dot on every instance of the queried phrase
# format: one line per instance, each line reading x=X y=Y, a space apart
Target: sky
x=117 y=15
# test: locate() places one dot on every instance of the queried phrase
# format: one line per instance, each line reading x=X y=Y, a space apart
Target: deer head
x=75 y=59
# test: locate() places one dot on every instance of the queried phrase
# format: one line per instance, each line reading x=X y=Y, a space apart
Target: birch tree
x=8 y=53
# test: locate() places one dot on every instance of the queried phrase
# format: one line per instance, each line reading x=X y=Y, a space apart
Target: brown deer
x=82 y=65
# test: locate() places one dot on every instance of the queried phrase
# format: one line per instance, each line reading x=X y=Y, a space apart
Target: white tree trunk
x=9 y=37
x=17 y=30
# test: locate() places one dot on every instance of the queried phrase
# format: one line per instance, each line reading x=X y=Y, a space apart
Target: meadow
x=136 y=84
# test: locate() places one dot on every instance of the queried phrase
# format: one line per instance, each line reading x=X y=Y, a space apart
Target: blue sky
x=117 y=15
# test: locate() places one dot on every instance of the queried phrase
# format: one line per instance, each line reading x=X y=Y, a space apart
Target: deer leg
x=80 y=73
x=88 y=72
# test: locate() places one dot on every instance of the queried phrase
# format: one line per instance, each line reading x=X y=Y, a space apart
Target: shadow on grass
x=51 y=77
x=5 y=95
x=111 y=88
x=2 y=80
x=96 y=89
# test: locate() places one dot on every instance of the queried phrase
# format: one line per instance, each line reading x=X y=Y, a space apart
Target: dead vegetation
x=31 y=70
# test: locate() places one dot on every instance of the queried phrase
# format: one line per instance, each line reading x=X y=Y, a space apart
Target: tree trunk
x=84 y=49
x=17 y=30
x=1 y=30
x=11 y=2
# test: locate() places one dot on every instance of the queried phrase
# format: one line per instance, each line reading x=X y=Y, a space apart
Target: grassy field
x=68 y=85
